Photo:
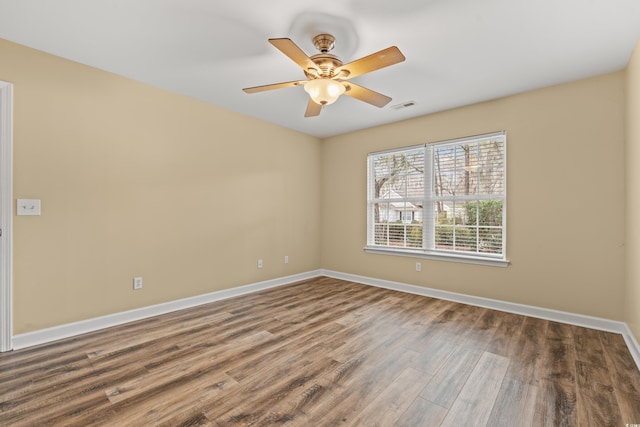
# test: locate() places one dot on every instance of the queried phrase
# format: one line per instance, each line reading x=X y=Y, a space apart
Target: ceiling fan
x=327 y=76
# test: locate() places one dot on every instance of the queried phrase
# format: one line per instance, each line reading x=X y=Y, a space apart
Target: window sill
x=468 y=259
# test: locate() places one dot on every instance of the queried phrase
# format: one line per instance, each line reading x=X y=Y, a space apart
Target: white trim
x=6 y=214
x=632 y=343
x=427 y=197
x=64 y=331
x=71 y=329
x=509 y=307
x=451 y=257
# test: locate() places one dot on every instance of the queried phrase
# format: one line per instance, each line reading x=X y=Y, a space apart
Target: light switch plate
x=28 y=207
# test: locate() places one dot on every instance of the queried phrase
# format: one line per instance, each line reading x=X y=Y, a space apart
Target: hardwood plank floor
x=326 y=352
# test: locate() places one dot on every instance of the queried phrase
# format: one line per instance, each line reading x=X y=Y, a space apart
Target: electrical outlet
x=286 y=259
x=259 y=263
x=28 y=207
x=418 y=266
x=137 y=283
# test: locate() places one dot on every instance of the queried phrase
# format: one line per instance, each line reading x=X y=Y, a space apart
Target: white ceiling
x=458 y=51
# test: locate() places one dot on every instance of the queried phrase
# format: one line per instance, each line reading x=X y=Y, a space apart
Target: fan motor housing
x=327 y=63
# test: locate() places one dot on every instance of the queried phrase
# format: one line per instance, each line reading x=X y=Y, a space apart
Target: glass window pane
x=490 y=167
x=381 y=212
x=414 y=236
x=444 y=237
x=444 y=179
x=490 y=240
x=444 y=212
x=396 y=235
x=466 y=239
x=381 y=236
x=490 y=212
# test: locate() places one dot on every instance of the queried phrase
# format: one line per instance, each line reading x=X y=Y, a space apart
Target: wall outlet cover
x=30 y=207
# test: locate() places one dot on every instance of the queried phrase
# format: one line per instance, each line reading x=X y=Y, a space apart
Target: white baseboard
x=71 y=329
x=525 y=310
x=632 y=343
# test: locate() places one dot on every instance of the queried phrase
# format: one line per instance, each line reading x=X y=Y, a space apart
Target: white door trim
x=6 y=214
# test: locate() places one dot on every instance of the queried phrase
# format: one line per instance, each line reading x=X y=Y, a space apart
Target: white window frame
x=427 y=250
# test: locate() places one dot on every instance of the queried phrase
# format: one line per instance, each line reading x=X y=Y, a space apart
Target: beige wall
x=632 y=158
x=565 y=148
x=137 y=181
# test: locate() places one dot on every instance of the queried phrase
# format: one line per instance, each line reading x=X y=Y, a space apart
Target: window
x=406 y=216
x=444 y=200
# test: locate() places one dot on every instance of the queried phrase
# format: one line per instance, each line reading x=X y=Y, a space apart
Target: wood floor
x=326 y=352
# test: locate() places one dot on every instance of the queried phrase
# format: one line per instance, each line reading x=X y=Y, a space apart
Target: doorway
x=6 y=213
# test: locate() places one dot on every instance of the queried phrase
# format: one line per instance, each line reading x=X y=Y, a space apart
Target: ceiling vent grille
x=403 y=105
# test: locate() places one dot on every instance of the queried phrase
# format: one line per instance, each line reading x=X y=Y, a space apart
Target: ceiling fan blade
x=256 y=89
x=375 y=61
x=313 y=109
x=296 y=54
x=367 y=95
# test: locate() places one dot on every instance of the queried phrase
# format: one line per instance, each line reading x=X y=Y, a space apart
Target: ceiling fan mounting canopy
x=324 y=42
x=327 y=75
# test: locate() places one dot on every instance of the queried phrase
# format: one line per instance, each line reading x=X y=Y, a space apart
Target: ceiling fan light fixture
x=324 y=91
x=327 y=76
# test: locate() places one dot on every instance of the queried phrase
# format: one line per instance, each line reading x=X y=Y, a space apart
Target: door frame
x=6 y=215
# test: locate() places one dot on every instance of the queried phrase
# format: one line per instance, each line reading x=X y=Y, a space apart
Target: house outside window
x=443 y=200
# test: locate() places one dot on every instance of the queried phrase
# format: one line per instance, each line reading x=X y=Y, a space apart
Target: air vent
x=403 y=105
